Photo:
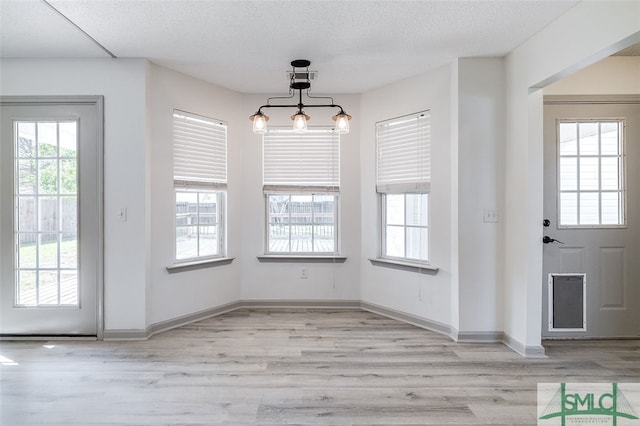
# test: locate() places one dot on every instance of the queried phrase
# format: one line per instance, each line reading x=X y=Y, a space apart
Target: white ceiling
x=246 y=46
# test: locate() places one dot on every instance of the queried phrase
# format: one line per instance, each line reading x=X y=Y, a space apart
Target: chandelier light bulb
x=259 y=122
x=300 y=122
x=342 y=122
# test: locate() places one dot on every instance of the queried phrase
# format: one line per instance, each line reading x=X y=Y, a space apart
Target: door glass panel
x=590 y=175
x=568 y=139
x=588 y=138
x=610 y=208
x=47 y=139
x=47 y=176
x=610 y=141
x=589 y=208
x=610 y=174
x=568 y=174
x=47 y=223
x=568 y=208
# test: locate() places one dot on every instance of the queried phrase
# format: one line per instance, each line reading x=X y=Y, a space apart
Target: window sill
x=405 y=266
x=199 y=264
x=293 y=258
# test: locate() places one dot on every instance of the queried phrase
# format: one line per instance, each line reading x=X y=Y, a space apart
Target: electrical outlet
x=490 y=215
x=304 y=273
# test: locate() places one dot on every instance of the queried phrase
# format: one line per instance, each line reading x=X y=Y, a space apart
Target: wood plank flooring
x=279 y=366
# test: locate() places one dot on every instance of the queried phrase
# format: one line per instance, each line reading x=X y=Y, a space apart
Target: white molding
x=522 y=349
x=300 y=304
x=199 y=264
x=435 y=326
x=294 y=258
x=480 y=337
x=404 y=265
x=161 y=326
x=590 y=99
x=125 y=334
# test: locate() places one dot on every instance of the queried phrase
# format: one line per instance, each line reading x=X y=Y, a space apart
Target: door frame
x=577 y=100
x=96 y=101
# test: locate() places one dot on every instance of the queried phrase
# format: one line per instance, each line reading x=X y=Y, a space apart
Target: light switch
x=122 y=214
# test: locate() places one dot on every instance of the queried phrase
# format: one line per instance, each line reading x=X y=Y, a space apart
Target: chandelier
x=300 y=80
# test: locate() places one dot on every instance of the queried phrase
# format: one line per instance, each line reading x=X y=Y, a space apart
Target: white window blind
x=404 y=154
x=301 y=162
x=199 y=151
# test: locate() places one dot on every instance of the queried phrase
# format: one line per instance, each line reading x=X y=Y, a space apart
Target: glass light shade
x=342 y=122
x=259 y=122
x=300 y=122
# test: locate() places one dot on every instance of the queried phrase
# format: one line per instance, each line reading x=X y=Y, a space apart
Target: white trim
x=435 y=326
x=520 y=348
x=423 y=268
x=427 y=324
x=199 y=264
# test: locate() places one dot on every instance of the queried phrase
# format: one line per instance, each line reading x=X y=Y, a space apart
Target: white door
x=592 y=203
x=50 y=219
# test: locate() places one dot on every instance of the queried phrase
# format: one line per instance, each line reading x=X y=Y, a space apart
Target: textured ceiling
x=355 y=45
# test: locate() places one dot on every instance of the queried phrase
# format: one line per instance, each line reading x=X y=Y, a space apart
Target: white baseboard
x=438 y=327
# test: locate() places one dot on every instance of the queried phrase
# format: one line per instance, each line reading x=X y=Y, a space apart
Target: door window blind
x=199 y=151
x=308 y=162
x=404 y=154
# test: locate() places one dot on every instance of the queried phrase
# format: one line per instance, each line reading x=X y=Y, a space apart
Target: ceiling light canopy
x=300 y=80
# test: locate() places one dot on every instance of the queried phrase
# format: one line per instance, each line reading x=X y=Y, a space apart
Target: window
x=200 y=183
x=590 y=173
x=301 y=175
x=46 y=200
x=403 y=183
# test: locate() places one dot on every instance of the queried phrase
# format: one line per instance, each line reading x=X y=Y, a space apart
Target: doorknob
x=547 y=239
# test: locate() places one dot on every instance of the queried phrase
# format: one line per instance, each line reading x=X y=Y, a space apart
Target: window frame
x=322 y=187
x=392 y=184
x=216 y=185
x=220 y=222
x=335 y=224
x=383 y=229
x=621 y=176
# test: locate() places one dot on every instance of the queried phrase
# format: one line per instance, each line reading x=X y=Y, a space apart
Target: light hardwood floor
x=282 y=366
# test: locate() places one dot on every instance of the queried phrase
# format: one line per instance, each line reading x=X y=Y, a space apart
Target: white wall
x=615 y=75
x=281 y=281
x=587 y=33
x=479 y=174
x=421 y=295
x=471 y=167
x=122 y=83
x=183 y=293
